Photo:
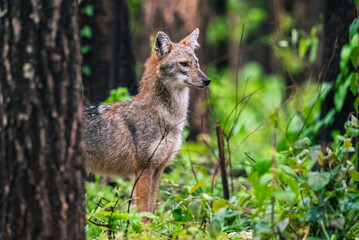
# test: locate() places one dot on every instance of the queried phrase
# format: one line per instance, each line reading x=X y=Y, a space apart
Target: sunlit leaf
x=219 y=204
x=303 y=46
x=353 y=29
x=196 y=186
x=347 y=143
x=287 y=196
x=354 y=174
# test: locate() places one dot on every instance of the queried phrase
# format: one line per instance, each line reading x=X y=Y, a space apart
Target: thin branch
x=222 y=161
x=190 y=160
x=230 y=166
x=250 y=157
x=238 y=62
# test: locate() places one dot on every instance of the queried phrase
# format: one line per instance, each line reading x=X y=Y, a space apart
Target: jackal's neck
x=155 y=92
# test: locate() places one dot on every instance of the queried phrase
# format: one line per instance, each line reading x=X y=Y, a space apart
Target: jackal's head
x=177 y=63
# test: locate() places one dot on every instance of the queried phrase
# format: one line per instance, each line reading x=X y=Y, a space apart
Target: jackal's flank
x=127 y=137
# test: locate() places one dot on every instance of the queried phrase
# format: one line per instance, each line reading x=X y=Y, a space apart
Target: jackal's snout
x=206 y=81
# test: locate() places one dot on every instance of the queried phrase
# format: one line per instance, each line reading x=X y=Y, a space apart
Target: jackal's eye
x=184 y=64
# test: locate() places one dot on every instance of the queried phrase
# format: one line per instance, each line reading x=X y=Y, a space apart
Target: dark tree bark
x=338 y=15
x=41 y=170
x=178 y=19
x=111 y=59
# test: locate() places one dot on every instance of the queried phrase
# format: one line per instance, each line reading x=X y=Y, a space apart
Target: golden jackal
x=143 y=134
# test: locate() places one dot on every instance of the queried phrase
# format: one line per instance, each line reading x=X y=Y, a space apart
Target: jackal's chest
x=163 y=148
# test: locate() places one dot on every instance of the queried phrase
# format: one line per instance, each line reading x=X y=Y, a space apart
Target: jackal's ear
x=163 y=44
x=191 y=40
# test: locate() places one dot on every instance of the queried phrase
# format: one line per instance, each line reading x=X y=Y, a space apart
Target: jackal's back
x=122 y=137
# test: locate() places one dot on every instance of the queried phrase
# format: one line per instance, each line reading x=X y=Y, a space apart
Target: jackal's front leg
x=155 y=186
x=143 y=191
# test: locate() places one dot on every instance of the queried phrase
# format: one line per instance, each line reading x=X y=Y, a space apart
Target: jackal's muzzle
x=206 y=81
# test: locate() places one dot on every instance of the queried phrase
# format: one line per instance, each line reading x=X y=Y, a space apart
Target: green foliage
x=118 y=94
x=347 y=79
x=86 y=70
x=217 y=30
x=86 y=32
x=88 y=10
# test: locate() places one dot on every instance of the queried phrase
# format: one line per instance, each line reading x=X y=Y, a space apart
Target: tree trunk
x=110 y=59
x=338 y=15
x=177 y=19
x=41 y=170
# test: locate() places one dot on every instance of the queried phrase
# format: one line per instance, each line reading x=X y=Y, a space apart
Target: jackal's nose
x=206 y=80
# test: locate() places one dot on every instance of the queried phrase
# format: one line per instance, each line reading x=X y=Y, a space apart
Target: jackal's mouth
x=193 y=85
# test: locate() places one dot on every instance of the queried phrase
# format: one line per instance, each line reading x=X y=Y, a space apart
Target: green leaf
x=287 y=196
x=177 y=214
x=341 y=93
x=196 y=186
x=313 y=50
x=264 y=180
x=231 y=214
x=85 y=49
x=354 y=83
x=217 y=205
x=86 y=70
x=345 y=53
x=303 y=46
x=317 y=180
x=356 y=104
x=263 y=166
x=118 y=94
x=86 y=32
x=354 y=175
x=354 y=42
x=88 y=10
x=354 y=57
x=353 y=29
x=314 y=213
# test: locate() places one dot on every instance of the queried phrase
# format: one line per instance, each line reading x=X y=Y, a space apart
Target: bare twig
x=222 y=161
x=244 y=99
x=239 y=61
x=230 y=166
x=190 y=160
x=214 y=177
x=306 y=232
x=250 y=157
x=246 y=137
